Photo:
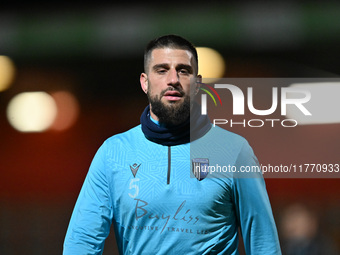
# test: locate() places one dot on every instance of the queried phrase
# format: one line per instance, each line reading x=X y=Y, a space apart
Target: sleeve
x=92 y=215
x=253 y=209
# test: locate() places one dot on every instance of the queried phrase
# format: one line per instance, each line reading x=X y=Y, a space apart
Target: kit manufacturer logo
x=134 y=169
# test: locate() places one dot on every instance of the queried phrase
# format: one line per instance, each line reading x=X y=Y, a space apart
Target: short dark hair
x=169 y=41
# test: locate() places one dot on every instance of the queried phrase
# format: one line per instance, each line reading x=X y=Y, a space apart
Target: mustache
x=179 y=90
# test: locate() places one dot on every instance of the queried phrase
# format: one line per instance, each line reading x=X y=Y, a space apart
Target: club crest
x=200 y=168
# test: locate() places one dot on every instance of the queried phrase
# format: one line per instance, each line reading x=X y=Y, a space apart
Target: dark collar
x=193 y=128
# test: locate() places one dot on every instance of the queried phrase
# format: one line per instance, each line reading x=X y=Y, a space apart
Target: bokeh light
x=211 y=63
x=7 y=72
x=68 y=110
x=31 y=111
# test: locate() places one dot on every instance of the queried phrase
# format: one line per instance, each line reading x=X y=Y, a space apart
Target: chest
x=159 y=187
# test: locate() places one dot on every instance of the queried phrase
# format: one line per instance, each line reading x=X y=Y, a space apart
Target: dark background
x=95 y=51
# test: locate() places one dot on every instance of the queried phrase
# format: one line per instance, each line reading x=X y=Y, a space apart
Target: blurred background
x=69 y=79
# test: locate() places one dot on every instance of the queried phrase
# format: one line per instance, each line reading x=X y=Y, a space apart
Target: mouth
x=173 y=95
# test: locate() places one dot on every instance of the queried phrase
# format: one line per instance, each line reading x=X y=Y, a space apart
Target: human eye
x=161 y=71
x=184 y=71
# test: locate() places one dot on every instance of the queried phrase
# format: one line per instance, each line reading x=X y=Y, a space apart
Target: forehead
x=169 y=56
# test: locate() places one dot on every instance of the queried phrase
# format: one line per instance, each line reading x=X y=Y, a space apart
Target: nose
x=173 y=77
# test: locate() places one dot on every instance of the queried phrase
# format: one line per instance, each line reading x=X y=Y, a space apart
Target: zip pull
x=169 y=165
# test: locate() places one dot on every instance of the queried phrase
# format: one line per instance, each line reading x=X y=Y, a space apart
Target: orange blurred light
x=7 y=72
x=68 y=110
x=211 y=63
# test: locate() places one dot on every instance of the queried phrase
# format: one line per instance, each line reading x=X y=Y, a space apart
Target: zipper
x=169 y=164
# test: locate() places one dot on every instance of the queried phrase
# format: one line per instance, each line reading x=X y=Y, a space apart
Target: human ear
x=144 y=82
x=198 y=83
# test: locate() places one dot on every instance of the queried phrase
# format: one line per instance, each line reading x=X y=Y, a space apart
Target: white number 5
x=134 y=186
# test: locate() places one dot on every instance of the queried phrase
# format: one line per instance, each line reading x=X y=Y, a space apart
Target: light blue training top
x=156 y=205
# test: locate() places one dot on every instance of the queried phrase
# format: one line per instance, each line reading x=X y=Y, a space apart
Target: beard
x=173 y=113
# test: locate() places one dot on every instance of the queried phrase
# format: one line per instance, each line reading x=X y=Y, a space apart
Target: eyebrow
x=157 y=66
x=178 y=67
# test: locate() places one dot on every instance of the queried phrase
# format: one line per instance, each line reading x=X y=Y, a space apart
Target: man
x=142 y=181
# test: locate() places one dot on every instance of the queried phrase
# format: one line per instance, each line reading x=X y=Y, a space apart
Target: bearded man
x=145 y=181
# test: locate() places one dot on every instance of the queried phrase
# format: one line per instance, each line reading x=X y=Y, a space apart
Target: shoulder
x=134 y=134
x=128 y=139
x=218 y=137
x=223 y=147
x=226 y=135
